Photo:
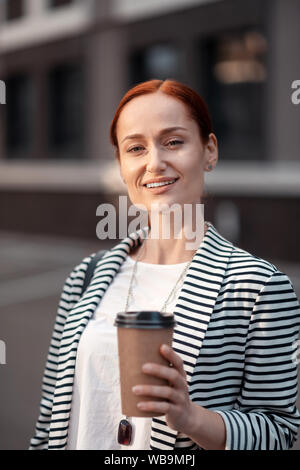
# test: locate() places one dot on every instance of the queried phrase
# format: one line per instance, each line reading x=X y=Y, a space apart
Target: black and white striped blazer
x=237 y=331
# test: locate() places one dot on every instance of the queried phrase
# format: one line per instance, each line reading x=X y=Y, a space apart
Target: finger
x=168 y=393
x=162 y=407
x=173 y=358
x=168 y=373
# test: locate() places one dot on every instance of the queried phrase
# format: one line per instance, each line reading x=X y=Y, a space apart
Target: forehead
x=155 y=109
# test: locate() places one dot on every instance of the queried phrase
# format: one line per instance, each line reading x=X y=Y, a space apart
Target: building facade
x=67 y=63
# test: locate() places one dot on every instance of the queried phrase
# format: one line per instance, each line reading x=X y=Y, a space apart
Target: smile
x=162 y=183
x=155 y=185
x=160 y=187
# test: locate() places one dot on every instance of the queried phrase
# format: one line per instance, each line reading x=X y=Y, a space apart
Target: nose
x=155 y=161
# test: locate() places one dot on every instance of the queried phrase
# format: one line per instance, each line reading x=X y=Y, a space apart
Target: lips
x=163 y=188
x=160 y=181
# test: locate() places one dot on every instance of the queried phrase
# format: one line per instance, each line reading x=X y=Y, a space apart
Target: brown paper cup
x=137 y=346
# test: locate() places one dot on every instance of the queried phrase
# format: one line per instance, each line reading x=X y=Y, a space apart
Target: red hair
x=195 y=104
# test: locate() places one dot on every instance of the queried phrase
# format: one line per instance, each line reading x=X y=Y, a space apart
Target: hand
x=179 y=408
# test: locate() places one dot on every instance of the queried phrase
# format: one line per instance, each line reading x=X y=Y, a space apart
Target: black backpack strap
x=91 y=268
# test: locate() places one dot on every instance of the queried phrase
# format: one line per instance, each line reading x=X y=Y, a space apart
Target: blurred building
x=67 y=63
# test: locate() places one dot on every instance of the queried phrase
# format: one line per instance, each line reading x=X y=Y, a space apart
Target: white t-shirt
x=96 y=403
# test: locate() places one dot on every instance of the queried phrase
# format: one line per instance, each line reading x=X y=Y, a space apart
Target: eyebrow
x=164 y=131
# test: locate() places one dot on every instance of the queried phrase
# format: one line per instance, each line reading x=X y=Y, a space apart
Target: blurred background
x=65 y=65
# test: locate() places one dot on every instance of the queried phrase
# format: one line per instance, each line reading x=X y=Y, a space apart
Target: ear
x=211 y=153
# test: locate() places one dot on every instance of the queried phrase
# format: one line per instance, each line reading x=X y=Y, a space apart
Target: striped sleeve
x=265 y=416
x=69 y=297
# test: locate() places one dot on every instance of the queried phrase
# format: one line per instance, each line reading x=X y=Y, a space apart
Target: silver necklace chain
x=134 y=275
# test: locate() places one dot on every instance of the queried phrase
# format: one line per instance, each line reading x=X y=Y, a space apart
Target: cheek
x=126 y=173
x=192 y=158
x=132 y=179
x=193 y=166
x=195 y=177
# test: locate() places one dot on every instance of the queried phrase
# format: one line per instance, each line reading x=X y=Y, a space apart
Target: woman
x=233 y=381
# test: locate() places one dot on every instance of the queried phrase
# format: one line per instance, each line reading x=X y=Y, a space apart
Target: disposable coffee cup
x=140 y=336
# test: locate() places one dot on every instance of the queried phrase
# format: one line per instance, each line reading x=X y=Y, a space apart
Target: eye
x=134 y=148
x=174 y=142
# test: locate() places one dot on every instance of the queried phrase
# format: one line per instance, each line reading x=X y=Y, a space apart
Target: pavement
x=32 y=272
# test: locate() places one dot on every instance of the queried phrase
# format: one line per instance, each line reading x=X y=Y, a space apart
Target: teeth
x=154 y=185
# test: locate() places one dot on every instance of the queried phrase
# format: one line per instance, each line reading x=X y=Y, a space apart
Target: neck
x=157 y=249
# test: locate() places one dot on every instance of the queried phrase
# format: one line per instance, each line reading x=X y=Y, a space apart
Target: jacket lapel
x=192 y=313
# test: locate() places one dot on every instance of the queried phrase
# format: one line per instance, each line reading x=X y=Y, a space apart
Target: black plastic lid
x=145 y=319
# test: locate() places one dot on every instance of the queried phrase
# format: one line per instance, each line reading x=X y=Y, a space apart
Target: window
x=234 y=86
x=157 y=61
x=59 y=3
x=14 y=9
x=66 y=111
x=19 y=114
